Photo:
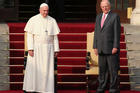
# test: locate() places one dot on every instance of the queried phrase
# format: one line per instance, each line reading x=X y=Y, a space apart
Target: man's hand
x=55 y=54
x=31 y=52
x=114 y=50
x=96 y=51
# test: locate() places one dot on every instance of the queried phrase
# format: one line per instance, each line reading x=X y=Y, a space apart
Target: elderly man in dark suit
x=107 y=47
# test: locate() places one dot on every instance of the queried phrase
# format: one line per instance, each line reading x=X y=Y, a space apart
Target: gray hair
x=106 y=1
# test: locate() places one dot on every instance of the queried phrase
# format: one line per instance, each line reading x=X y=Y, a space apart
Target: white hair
x=106 y=1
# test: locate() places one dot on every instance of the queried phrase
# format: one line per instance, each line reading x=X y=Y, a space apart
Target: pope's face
x=44 y=11
x=105 y=6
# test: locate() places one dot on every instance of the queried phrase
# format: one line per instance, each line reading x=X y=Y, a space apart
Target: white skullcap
x=43 y=4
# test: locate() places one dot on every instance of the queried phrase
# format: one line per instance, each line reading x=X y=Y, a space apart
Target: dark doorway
x=79 y=10
x=28 y=8
x=8 y=10
x=61 y=10
x=56 y=9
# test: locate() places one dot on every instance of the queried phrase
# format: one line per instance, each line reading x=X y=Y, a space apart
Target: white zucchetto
x=43 y=4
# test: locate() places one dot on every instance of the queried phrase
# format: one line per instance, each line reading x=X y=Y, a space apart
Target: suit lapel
x=100 y=18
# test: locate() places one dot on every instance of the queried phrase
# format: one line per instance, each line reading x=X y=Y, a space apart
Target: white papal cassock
x=42 y=38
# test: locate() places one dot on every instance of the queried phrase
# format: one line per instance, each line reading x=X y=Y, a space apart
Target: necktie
x=103 y=20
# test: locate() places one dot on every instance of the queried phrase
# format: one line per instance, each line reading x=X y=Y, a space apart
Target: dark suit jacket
x=107 y=37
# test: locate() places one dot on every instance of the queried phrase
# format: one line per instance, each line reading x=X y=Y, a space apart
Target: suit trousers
x=108 y=66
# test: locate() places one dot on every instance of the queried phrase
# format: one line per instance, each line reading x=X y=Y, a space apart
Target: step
x=79 y=27
x=4 y=87
x=16 y=60
x=16 y=27
x=135 y=71
x=82 y=61
x=64 y=28
x=11 y=91
x=16 y=37
x=63 y=53
x=123 y=86
x=123 y=54
x=72 y=45
x=137 y=87
x=71 y=69
x=124 y=70
x=123 y=77
x=77 y=85
x=122 y=45
x=123 y=62
x=4 y=78
x=82 y=68
x=16 y=53
x=16 y=77
x=71 y=77
x=82 y=53
x=76 y=27
x=71 y=85
x=15 y=69
x=122 y=29
x=122 y=38
x=62 y=37
x=66 y=77
x=135 y=79
x=62 y=45
x=72 y=91
x=95 y=70
x=72 y=37
x=16 y=85
x=16 y=44
x=72 y=53
x=71 y=61
x=107 y=91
